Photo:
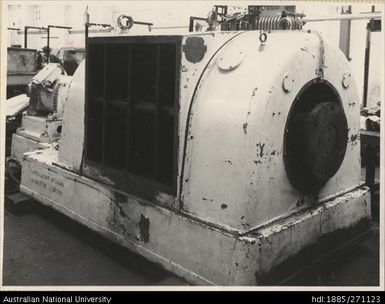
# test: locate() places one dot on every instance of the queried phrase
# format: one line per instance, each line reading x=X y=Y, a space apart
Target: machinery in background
x=41 y=124
x=70 y=58
x=23 y=64
x=34 y=120
x=21 y=67
x=371 y=118
x=255 y=17
x=216 y=155
x=45 y=91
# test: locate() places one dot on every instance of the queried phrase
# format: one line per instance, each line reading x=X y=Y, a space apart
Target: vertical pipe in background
x=367 y=60
x=86 y=35
x=25 y=36
x=48 y=51
x=191 y=25
x=86 y=23
x=345 y=26
x=366 y=66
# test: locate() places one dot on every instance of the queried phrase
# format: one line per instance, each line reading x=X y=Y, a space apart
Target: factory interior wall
x=173 y=13
x=357 y=44
x=375 y=77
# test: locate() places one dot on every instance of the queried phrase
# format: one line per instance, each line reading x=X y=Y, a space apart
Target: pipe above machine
x=343 y=17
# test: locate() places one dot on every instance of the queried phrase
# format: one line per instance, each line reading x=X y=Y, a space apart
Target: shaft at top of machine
x=343 y=17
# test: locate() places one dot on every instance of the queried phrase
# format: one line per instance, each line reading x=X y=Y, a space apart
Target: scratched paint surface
x=234 y=174
x=238 y=122
x=143 y=227
x=232 y=167
x=72 y=140
x=177 y=242
x=189 y=81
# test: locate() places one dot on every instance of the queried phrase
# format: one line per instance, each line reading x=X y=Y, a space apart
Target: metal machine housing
x=229 y=214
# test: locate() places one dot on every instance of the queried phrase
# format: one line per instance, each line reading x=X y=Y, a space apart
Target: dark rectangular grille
x=132 y=106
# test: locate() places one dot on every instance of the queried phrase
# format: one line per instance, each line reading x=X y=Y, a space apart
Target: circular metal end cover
x=315 y=145
x=326 y=141
x=231 y=58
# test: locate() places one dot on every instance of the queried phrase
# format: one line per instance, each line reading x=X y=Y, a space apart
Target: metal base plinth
x=190 y=248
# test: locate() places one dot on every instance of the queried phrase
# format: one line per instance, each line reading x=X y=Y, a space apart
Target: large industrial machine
x=228 y=157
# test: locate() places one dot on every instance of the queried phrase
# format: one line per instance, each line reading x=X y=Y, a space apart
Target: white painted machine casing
x=235 y=215
x=234 y=154
x=234 y=175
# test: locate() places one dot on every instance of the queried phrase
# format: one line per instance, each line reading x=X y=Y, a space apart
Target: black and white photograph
x=191 y=145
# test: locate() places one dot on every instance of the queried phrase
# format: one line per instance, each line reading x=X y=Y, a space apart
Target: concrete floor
x=43 y=248
x=360 y=267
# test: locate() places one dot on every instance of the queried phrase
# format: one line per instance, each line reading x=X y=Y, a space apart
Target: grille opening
x=132 y=108
x=95 y=108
